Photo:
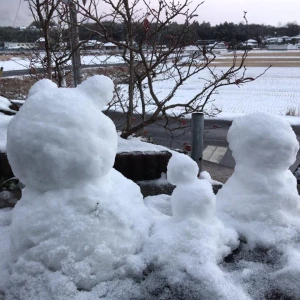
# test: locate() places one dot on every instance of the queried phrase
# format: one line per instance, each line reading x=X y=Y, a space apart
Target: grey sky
x=268 y=12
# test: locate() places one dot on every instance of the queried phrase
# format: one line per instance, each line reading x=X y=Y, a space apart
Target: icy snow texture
x=79 y=222
x=261 y=196
x=4 y=121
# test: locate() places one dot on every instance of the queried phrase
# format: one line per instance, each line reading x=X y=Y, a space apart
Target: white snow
x=82 y=231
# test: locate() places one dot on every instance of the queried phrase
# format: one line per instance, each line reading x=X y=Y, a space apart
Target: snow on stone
x=74 y=227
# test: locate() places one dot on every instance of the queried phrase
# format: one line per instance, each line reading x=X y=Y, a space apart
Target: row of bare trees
x=146 y=65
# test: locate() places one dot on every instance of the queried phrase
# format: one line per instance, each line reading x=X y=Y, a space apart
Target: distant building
x=110 y=47
x=18 y=45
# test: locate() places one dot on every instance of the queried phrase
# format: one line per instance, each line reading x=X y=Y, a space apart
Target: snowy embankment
x=82 y=231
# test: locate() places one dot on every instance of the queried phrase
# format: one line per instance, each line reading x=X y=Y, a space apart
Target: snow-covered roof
x=251 y=41
x=109 y=45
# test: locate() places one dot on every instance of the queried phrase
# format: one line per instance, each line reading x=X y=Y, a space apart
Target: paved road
x=214 y=139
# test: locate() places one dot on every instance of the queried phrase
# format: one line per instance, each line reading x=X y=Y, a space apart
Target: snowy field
x=276 y=92
x=82 y=231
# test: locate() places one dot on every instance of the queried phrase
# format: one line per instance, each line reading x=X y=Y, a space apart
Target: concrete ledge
x=149 y=188
x=5 y=169
x=139 y=166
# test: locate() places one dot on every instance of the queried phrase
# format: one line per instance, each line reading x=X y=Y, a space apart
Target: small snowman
x=79 y=222
x=261 y=199
x=192 y=240
x=191 y=197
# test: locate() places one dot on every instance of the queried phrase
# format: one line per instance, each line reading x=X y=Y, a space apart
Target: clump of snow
x=79 y=223
x=5 y=104
x=4 y=120
x=206 y=175
x=182 y=169
x=191 y=197
x=94 y=87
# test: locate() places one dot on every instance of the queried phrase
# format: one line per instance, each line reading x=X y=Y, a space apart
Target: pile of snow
x=82 y=231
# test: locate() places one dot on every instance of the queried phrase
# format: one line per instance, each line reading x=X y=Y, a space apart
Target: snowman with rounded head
x=78 y=217
x=261 y=199
x=193 y=241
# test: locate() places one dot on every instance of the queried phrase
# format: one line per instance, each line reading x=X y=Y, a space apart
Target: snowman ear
x=42 y=85
x=99 y=89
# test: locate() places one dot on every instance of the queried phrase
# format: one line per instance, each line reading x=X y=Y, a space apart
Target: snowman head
x=181 y=170
x=263 y=141
x=60 y=137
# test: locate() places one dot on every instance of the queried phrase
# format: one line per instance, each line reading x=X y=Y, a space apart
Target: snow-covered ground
x=83 y=232
x=276 y=92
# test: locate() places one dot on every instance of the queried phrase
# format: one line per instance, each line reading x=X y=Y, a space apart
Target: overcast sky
x=268 y=12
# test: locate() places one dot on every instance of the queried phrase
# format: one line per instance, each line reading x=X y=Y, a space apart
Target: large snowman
x=79 y=222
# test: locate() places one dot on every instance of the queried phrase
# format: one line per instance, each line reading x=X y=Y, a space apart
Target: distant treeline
x=229 y=32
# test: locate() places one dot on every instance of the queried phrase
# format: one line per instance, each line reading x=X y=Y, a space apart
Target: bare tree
x=43 y=11
x=146 y=60
x=59 y=32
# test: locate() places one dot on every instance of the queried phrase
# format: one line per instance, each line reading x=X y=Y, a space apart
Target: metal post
x=76 y=62
x=197 y=138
